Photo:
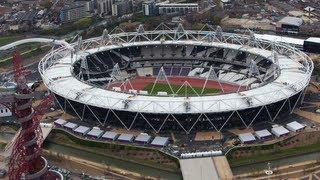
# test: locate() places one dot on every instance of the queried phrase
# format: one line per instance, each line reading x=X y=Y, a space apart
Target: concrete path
x=199 y=169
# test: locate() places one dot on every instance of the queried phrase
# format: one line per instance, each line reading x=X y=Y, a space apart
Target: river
x=141 y=169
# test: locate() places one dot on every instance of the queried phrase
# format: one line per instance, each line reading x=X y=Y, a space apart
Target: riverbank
x=79 y=165
x=292 y=146
x=138 y=156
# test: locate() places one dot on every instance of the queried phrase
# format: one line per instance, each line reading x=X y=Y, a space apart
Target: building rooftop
x=60 y=121
x=160 y=141
x=247 y=137
x=95 y=132
x=125 y=137
x=263 y=133
x=279 y=130
x=295 y=126
x=109 y=135
x=143 y=138
x=82 y=129
x=70 y=125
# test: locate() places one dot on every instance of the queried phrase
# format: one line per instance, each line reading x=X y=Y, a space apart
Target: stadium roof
x=60 y=121
x=70 y=125
x=60 y=75
x=143 y=138
x=125 y=137
x=160 y=141
x=279 y=131
x=82 y=129
x=295 y=126
x=110 y=135
x=95 y=132
x=246 y=137
x=262 y=133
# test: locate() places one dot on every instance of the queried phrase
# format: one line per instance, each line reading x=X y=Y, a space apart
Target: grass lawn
x=183 y=91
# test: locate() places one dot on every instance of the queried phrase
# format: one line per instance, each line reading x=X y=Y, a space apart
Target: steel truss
x=204 y=116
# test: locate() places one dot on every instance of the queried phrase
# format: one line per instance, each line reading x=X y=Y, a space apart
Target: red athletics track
x=138 y=83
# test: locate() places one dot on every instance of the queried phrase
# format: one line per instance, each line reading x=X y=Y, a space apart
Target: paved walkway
x=208 y=168
x=198 y=168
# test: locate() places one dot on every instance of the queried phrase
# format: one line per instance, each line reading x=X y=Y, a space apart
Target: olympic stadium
x=176 y=79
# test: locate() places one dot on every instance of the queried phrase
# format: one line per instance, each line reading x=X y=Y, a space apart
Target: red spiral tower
x=26 y=161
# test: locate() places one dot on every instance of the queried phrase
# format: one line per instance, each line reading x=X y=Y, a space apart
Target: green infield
x=177 y=89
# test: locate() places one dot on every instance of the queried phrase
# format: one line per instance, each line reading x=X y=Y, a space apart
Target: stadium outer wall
x=188 y=122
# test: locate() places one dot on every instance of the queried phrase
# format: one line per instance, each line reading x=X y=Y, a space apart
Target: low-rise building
x=289 y=24
x=73 y=12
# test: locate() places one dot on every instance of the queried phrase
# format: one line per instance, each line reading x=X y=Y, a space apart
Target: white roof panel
x=70 y=125
x=263 y=133
x=109 y=135
x=82 y=129
x=95 y=132
x=160 y=141
x=60 y=121
x=295 y=126
x=246 y=137
x=143 y=138
x=125 y=137
x=280 y=130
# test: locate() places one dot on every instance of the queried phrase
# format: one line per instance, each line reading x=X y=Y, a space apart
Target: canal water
x=276 y=163
x=109 y=161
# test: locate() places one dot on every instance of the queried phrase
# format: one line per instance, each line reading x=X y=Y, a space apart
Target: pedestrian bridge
x=35 y=40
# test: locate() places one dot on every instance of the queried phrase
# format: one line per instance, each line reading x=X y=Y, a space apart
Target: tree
x=83 y=23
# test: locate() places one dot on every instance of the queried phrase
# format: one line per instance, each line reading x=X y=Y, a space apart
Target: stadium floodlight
x=179 y=32
x=116 y=72
x=185 y=86
x=212 y=75
x=79 y=44
x=219 y=33
x=84 y=69
x=140 y=29
x=161 y=77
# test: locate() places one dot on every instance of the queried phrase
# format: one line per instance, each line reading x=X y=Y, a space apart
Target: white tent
x=246 y=138
x=295 y=126
x=279 y=131
x=263 y=134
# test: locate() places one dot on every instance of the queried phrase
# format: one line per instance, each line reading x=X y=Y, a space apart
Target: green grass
x=159 y=87
x=276 y=153
x=111 y=149
x=8 y=39
x=2 y=146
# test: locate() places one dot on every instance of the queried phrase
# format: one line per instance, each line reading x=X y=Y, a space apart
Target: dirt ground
x=241 y=131
x=77 y=165
x=208 y=136
x=308 y=115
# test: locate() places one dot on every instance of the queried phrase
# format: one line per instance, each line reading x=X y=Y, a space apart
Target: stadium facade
x=96 y=79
